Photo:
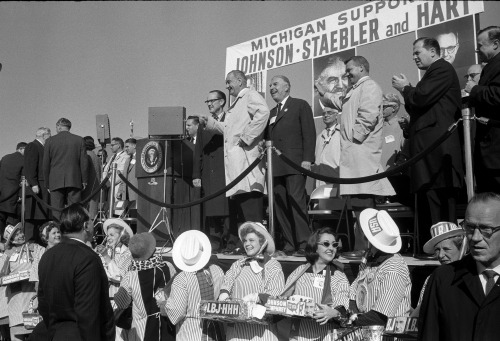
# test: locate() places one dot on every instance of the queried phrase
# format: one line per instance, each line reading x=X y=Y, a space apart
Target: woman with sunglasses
x=322 y=279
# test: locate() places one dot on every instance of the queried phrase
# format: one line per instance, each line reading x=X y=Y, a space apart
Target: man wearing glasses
x=208 y=173
x=119 y=158
x=449 y=46
x=462 y=299
x=484 y=96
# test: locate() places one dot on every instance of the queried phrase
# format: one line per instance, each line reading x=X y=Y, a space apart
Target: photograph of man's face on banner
x=457 y=43
x=329 y=71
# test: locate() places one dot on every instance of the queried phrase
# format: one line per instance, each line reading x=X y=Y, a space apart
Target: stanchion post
x=112 y=190
x=469 y=175
x=270 y=186
x=23 y=199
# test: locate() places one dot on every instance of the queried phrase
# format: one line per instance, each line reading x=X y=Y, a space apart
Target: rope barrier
x=373 y=177
x=84 y=201
x=10 y=196
x=199 y=201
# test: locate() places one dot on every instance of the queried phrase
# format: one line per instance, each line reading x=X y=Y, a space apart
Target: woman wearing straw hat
x=19 y=256
x=247 y=277
x=199 y=280
x=382 y=288
x=323 y=279
x=449 y=244
x=116 y=257
x=146 y=279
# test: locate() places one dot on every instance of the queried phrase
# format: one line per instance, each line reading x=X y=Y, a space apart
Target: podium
x=166 y=166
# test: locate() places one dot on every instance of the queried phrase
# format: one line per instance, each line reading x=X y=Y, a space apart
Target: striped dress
x=139 y=315
x=308 y=329
x=240 y=281
x=385 y=287
x=183 y=303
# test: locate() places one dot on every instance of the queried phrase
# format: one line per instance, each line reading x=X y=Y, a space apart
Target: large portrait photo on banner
x=329 y=71
x=457 y=42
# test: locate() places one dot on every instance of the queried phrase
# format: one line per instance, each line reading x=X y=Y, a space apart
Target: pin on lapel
x=286 y=110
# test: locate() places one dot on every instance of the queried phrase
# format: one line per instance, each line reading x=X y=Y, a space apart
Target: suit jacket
x=120 y=159
x=94 y=172
x=208 y=165
x=11 y=168
x=73 y=294
x=246 y=119
x=455 y=307
x=33 y=171
x=293 y=133
x=65 y=161
x=485 y=97
x=434 y=104
x=129 y=173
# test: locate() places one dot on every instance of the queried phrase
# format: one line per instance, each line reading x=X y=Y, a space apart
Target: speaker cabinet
x=103 y=129
x=166 y=122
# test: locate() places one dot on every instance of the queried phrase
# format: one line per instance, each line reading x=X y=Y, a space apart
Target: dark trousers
x=245 y=207
x=487 y=180
x=291 y=210
x=64 y=196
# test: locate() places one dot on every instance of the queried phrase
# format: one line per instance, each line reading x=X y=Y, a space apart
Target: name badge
x=319 y=282
x=273 y=119
x=132 y=161
x=14 y=257
x=389 y=139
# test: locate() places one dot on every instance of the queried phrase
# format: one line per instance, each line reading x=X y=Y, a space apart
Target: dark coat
x=455 y=307
x=293 y=133
x=11 y=168
x=130 y=175
x=33 y=164
x=485 y=97
x=434 y=104
x=65 y=161
x=208 y=165
x=73 y=294
x=94 y=174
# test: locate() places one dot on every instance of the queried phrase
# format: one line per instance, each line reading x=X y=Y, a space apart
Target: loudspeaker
x=103 y=129
x=166 y=122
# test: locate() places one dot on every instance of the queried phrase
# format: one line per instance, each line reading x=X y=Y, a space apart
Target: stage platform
x=419 y=269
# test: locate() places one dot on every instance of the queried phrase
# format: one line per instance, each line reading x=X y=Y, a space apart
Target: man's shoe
x=299 y=253
x=358 y=254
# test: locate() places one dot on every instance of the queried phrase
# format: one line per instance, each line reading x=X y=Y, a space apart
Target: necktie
x=328 y=132
x=279 y=109
x=215 y=117
x=490 y=283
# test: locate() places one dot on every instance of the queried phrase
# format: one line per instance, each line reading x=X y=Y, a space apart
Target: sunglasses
x=327 y=244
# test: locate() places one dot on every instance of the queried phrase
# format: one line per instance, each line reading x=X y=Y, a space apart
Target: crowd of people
x=124 y=290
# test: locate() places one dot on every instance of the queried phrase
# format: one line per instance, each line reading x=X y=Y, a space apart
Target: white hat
x=9 y=232
x=262 y=230
x=381 y=230
x=191 y=251
x=117 y=221
x=441 y=231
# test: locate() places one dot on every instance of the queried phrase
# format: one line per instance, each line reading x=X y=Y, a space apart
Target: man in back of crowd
x=64 y=166
x=129 y=171
x=119 y=158
x=11 y=169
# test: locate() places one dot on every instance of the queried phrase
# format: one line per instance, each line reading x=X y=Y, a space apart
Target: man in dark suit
x=433 y=105
x=64 y=166
x=35 y=213
x=291 y=128
x=11 y=168
x=73 y=289
x=208 y=173
x=462 y=299
x=485 y=97
x=129 y=171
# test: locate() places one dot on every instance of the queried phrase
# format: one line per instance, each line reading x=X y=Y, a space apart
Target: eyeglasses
x=486 y=231
x=327 y=244
x=471 y=75
x=210 y=101
x=449 y=49
x=114 y=144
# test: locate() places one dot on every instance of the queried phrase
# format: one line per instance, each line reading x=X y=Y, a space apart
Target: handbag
x=123 y=317
x=31 y=317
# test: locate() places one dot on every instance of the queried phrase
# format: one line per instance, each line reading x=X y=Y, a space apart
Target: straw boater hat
x=142 y=246
x=262 y=230
x=192 y=251
x=441 y=231
x=381 y=231
x=9 y=232
x=117 y=221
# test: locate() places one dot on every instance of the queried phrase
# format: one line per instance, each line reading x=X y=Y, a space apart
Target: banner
x=344 y=31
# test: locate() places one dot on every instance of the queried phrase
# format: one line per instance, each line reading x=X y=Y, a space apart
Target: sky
x=79 y=59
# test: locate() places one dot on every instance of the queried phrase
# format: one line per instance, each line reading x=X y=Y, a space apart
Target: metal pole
x=23 y=199
x=112 y=190
x=469 y=175
x=270 y=186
